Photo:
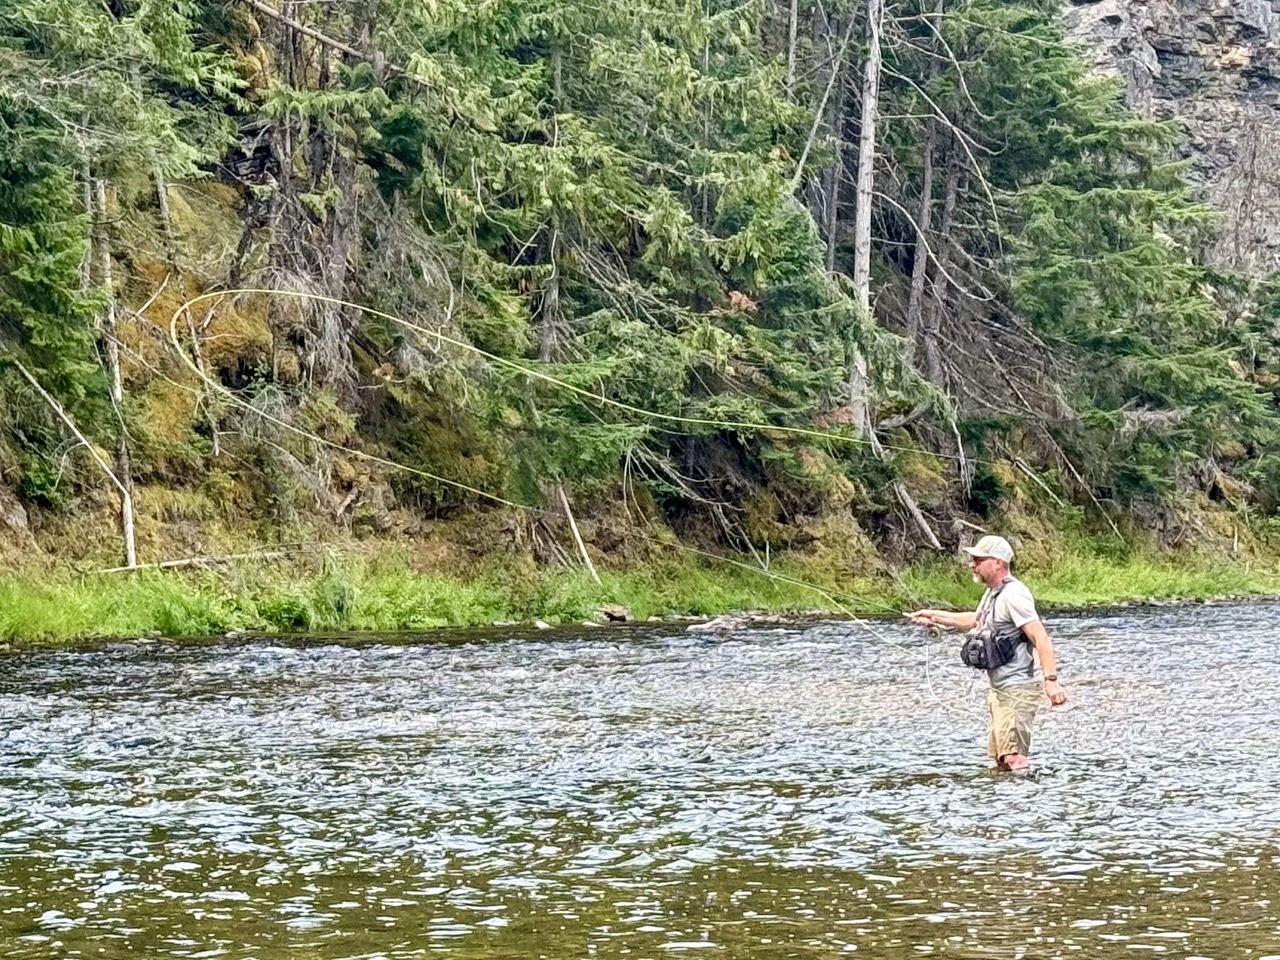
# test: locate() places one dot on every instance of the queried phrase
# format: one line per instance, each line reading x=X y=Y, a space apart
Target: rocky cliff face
x=1214 y=65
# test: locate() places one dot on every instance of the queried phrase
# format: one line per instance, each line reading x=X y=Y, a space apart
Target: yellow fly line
x=512 y=365
x=540 y=375
x=234 y=398
x=522 y=368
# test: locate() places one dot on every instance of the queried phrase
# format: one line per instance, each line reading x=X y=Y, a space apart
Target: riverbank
x=332 y=591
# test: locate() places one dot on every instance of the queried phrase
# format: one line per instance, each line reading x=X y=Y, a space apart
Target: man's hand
x=925 y=618
x=946 y=619
x=1053 y=690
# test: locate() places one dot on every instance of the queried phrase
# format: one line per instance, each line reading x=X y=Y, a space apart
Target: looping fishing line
x=534 y=373
x=440 y=336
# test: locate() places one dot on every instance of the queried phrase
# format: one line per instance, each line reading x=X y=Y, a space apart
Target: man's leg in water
x=1013 y=711
x=1013 y=762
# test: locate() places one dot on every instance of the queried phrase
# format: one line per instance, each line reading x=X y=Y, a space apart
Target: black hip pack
x=989 y=646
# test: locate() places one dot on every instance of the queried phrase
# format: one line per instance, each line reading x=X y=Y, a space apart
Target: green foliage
x=1103 y=264
x=1077 y=236
x=608 y=187
x=118 y=92
x=44 y=316
x=604 y=196
x=41 y=483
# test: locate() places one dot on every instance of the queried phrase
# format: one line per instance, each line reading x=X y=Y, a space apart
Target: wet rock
x=722 y=624
x=730 y=622
x=613 y=613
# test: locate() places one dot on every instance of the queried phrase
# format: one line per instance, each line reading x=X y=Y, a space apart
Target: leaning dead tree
x=123 y=475
x=126 y=495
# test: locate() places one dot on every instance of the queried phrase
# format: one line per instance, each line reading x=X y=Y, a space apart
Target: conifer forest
x=582 y=281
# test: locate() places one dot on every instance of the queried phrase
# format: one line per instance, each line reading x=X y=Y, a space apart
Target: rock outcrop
x=1214 y=65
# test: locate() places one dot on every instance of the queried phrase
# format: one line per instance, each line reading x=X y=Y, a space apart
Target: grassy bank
x=333 y=592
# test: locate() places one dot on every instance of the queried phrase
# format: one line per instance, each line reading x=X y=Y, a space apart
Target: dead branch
x=573 y=525
x=327 y=40
x=199 y=561
x=913 y=509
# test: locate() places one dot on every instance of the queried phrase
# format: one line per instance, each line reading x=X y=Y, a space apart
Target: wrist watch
x=1050 y=676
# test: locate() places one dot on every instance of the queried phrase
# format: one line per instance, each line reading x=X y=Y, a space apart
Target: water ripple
x=647 y=793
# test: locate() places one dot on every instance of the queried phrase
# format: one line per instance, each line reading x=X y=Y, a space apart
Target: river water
x=798 y=792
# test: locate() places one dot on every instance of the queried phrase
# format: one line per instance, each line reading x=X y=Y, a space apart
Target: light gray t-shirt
x=1013 y=604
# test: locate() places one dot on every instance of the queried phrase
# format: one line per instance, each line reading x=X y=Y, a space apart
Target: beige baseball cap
x=997 y=547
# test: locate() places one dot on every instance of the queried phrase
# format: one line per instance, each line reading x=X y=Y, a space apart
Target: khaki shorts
x=1013 y=711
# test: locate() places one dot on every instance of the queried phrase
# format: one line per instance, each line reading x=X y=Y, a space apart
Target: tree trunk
x=344 y=227
x=293 y=46
x=550 y=322
x=867 y=156
x=920 y=265
x=858 y=380
x=123 y=461
x=791 y=48
x=65 y=417
x=835 y=173
x=577 y=537
x=86 y=263
x=932 y=348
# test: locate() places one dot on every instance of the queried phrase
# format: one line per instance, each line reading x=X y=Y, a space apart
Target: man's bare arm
x=1039 y=638
x=950 y=619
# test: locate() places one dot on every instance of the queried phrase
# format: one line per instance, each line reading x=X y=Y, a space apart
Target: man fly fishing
x=1002 y=635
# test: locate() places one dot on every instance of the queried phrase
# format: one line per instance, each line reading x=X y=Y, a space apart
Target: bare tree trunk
x=932 y=348
x=86 y=263
x=791 y=48
x=920 y=265
x=837 y=57
x=835 y=173
x=123 y=470
x=862 y=250
x=109 y=317
x=582 y=547
x=345 y=224
x=858 y=380
x=550 y=322
x=57 y=408
x=344 y=227
x=916 y=514
x=867 y=156
x=292 y=44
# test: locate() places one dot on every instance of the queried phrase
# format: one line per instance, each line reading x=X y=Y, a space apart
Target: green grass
x=1077 y=580
x=354 y=593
